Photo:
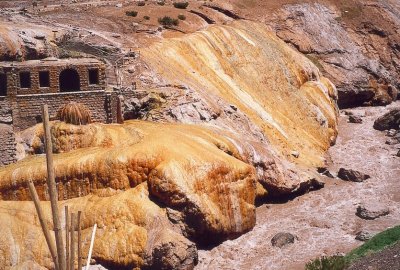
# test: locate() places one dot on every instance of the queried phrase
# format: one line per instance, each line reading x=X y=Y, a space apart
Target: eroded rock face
x=193 y=170
x=24 y=41
x=241 y=77
x=131 y=228
x=359 y=56
x=192 y=174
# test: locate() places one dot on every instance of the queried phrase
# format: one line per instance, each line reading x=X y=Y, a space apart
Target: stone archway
x=69 y=80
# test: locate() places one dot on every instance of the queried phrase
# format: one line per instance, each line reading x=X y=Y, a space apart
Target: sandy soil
x=324 y=220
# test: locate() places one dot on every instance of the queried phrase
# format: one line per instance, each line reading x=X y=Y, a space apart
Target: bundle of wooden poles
x=63 y=256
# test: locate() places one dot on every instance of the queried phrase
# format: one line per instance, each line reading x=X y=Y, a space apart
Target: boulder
x=324 y=171
x=364 y=236
x=352 y=175
x=392 y=132
x=355 y=119
x=282 y=239
x=390 y=120
x=371 y=212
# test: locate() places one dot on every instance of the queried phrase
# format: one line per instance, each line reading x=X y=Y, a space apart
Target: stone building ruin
x=25 y=86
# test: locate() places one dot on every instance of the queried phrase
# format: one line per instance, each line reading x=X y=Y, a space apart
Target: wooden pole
x=51 y=183
x=91 y=247
x=120 y=117
x=79 y=241
x=72 y=251
x=45 y=229
x=67 y=222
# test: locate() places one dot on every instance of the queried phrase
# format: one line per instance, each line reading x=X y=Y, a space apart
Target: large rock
x=371 y=212
x=282 y=239
x=390 y=120
x=364 y=236
x=352 y=175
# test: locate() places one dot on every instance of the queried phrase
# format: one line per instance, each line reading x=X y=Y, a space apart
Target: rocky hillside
x=354 y=43
x=239 y=102
x=264 y=116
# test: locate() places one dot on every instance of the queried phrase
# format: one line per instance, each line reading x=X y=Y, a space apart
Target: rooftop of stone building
x=51 y=61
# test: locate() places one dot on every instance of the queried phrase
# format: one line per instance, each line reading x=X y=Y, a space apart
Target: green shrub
x=328 y=263
x=377 y=243
x=181 y=5
x=160 y=3
x=131 y=13
x=141 y=3
x=182 y=17
x=168 y=21
x=146 y=18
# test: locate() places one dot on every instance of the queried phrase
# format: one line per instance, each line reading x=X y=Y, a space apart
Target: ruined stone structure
x=25 y=86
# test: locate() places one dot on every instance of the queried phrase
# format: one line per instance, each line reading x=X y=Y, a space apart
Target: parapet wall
x=28 y=111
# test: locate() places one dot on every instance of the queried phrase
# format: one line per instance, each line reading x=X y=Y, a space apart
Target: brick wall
x=7 y=140
x=28 y=110
x=7 y=145
x=54 y=72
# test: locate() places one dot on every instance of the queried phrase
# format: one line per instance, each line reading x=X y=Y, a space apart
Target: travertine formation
x=198 y=175
x=153 y=186
x=244 y=66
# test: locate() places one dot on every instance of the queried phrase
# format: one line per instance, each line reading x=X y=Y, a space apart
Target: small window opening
x=44 y=79
x=93 y=76
x=25 y=79
x=3 y=84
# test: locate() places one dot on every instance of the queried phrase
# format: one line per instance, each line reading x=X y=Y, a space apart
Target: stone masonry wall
x=7 y=140
x=54 y=72
x=7 y=145
x=28 y=111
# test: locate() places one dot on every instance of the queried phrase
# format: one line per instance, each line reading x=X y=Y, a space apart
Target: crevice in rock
x=224 y=11
x=203 y=16
x=277 y=197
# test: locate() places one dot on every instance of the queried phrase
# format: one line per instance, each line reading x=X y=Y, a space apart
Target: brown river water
x=324 y=220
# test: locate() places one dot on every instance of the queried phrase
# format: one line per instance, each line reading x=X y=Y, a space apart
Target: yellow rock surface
x=280 y=90
x=183 y=165
x=130 y=229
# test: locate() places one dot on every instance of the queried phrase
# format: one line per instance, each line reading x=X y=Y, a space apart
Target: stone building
x=25 y=86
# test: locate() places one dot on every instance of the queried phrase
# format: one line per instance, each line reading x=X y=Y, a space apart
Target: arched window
x=69 y=80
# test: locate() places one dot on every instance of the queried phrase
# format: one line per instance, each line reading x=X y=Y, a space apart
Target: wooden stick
x=45 y=229
x=72 y=252
x=51 y=183
x=91 y=247
x=79 y=241
x=67 y=236
x=120 y=117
